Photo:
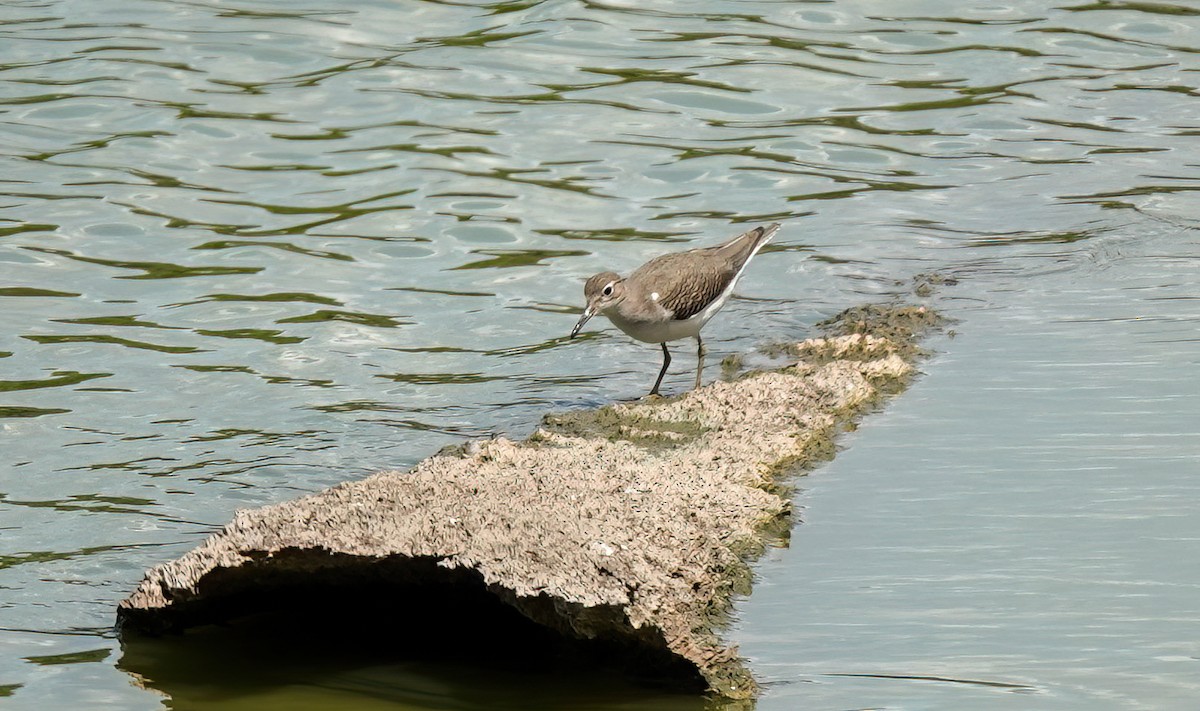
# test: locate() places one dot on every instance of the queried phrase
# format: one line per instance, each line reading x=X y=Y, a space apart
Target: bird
x=673 y=295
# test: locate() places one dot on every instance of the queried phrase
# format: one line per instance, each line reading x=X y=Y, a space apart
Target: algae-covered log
x=631 y=524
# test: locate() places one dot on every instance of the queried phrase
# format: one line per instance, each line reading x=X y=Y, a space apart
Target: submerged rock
x=631 y=524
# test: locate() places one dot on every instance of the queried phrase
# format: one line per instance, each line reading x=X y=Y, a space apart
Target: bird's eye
x=608 y=290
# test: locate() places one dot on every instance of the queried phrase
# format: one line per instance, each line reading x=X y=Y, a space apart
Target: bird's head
x=602 y=292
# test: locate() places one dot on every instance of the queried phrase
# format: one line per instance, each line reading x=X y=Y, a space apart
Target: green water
x=250 y=249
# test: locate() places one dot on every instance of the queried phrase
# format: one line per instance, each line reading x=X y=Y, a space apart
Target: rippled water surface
x=251 y=249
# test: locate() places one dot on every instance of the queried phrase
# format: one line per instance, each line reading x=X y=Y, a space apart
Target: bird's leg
x=661 y=373
x=699 y=359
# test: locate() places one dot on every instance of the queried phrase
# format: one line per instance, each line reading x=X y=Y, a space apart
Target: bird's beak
x=587 y=314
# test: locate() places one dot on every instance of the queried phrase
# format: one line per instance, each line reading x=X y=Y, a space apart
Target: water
x=251 y=249
x=1017 y=531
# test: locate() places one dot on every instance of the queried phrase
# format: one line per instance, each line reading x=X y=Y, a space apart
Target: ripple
x=152 y=270
x=617 y=234
x=8 y=411
x=112 y=340
x=1076 y=124
x=1008 y=239
x=158 y=180
x=277 y=297
x=203 y=469
x=1020 y=51
x=257 y=436
x=84 y=657
x=854 y=123
x=1153 y=8
x=443 y=292
x=525 y=176
x=1110 y=39
x=214 y=208
x=444 y=151
x=91 y=503
x=26 y=227
x=710 y=102
x=285 y=246
x=545 y=97
x=481 y=234
x=270 y=379
x=58 y=378
x=338 y=133
x=43 y=556
x=258 y=334
x=476 y=38
x=29 y=291
x=510 y=258
x=362 y=319
x=119 y=321
x=636 y=75
x=943 y=679
x=440 y=378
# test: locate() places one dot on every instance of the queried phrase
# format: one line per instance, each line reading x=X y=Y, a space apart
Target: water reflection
x=251 y=251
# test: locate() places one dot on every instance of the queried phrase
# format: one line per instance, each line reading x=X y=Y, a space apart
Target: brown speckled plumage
x=708 y=276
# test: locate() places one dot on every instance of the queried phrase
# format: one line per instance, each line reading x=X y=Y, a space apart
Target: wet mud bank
x=632 y=526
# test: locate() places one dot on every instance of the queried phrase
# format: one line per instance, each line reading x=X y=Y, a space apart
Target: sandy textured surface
x=633 y=523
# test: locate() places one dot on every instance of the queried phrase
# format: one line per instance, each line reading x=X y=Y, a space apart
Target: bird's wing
x=684 y=298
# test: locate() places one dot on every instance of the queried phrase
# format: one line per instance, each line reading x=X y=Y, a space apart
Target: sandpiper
x=674 y=295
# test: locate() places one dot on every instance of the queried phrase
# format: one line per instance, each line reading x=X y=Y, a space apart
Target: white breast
x=657 y=331
x=665 y=328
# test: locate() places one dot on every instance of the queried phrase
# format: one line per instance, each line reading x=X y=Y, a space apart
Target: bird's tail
x=742 y=248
